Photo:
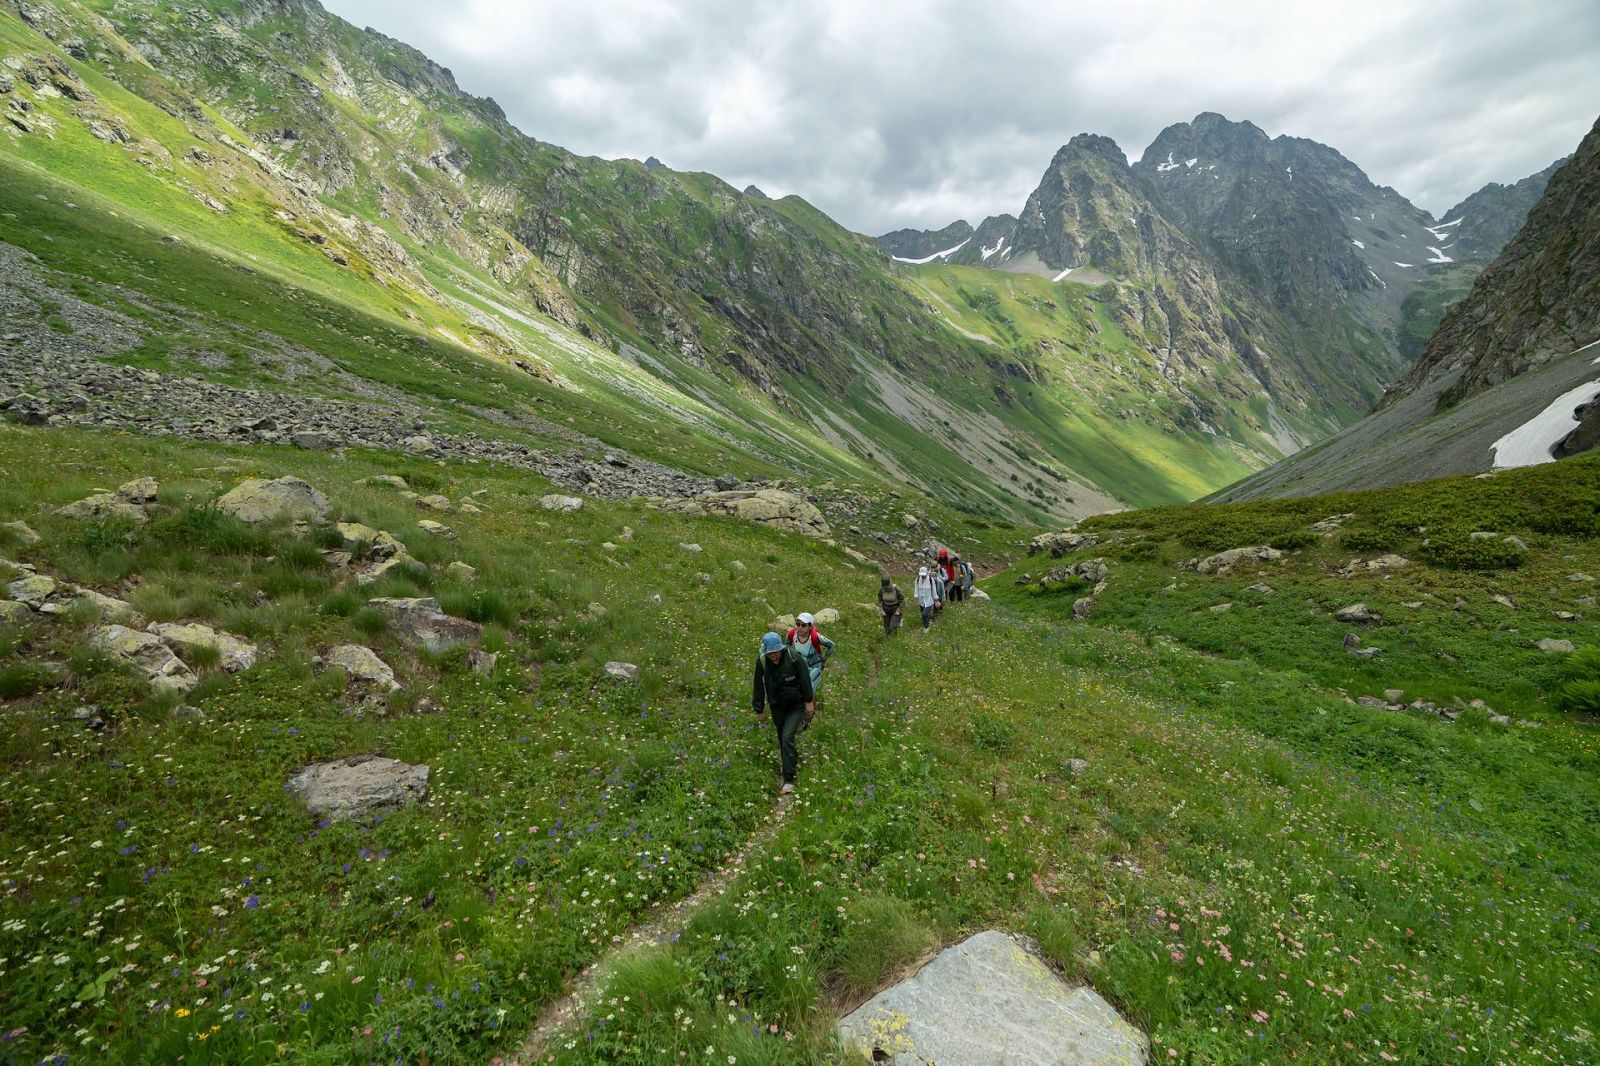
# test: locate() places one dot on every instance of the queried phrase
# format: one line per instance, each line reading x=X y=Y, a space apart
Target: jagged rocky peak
x=654 y=164
x=755 y=193
x=1091 y=144
x=1484 y=222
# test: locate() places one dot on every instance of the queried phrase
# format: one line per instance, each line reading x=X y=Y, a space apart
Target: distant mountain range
x=1356 y=273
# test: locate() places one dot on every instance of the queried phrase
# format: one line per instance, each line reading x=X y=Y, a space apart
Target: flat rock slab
x=989 y=1000
x=359 y=785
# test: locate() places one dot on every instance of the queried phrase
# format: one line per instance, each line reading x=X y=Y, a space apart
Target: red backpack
x=815 y=640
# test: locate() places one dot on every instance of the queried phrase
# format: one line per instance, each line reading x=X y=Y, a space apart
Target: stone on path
x=557 y=502
x=233 y=653
x=622 y=671
x=359 y=785
x=989 y=1000
x=362 y=664
x=287 y=499
x=146 y=653
x=420 y=621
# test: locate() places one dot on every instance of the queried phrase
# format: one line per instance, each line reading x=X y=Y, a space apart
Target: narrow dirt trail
x=664 y=922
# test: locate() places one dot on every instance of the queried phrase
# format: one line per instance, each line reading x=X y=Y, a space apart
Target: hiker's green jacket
x=781 y=687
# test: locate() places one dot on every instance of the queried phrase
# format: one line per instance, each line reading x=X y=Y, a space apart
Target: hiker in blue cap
x=783 y=683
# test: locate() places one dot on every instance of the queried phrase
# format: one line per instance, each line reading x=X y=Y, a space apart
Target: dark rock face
x=1585 y=437
x=1539 y=301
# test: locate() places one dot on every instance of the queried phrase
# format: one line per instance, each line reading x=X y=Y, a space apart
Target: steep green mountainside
x=1508 y=377
x=1346 y=883
x=346 y=164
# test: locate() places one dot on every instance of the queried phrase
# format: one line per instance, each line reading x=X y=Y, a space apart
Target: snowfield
x=1530 y=443
x=936 y=255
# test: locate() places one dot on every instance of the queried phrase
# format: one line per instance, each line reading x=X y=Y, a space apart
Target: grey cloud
x=916 y=112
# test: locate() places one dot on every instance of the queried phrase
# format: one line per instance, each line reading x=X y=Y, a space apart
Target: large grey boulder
x=146 y=653
x=108 y=608
x=103 y=505
x=21 y=531
x=1225 y=562
x=286 y=499
x=363 y=665
x=990 y=1000
x=621 y=671
x=557 y=502
x=767 y=507
x=233 y=653
x=420 y=621
x=14 y=613
x=1555 y=647
x=1355 y=612
x=359 y=785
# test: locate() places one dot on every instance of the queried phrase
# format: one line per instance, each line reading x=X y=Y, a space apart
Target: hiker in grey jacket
x=783 y=683
x=892 y=604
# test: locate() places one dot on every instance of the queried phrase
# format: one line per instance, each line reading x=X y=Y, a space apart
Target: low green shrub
x=880 y=934
x=1294 y=540
x=1455 y=550
x=1578 y=690
x=20 y=680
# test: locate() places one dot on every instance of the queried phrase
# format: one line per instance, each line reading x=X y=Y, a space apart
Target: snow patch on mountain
x=1062 y=276
x=1438 y=256
x=1162 y=168
x=1408 y=265
x=1530 y=443
x=947 y=253
x=1000 y=243
x=1357 y=243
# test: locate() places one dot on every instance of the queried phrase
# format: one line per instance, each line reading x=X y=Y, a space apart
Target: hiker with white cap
x=813 y=647
x=783 y=683
x=928 y=595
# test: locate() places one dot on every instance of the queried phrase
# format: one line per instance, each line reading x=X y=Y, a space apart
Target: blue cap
x=771 y=643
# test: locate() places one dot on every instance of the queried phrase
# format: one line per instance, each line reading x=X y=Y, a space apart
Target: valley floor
x=1180 y=805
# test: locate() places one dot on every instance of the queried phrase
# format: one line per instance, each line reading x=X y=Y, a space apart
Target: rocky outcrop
x=233 y=653
x=146 y=653
x=768 y=507
x=1061 y=543
x=990 y=999
x=359 y=786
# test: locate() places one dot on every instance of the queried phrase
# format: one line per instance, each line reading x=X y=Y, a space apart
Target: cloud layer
x=889 y=113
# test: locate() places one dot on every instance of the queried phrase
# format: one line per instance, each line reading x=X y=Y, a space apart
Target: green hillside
x=1249 y=864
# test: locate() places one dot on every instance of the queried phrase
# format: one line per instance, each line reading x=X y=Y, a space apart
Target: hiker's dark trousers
x=891 y=621
x=788 y=721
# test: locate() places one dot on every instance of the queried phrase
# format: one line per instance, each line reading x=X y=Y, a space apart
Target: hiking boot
x=787 y=789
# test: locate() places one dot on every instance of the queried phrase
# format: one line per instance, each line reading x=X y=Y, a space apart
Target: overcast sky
x=889 y=113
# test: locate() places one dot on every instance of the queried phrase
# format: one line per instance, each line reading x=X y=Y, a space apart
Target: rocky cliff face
x=917 y=244
x=1538 y=301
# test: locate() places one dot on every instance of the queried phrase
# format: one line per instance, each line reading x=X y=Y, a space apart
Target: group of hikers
x=949 y=580
x=789 y=667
